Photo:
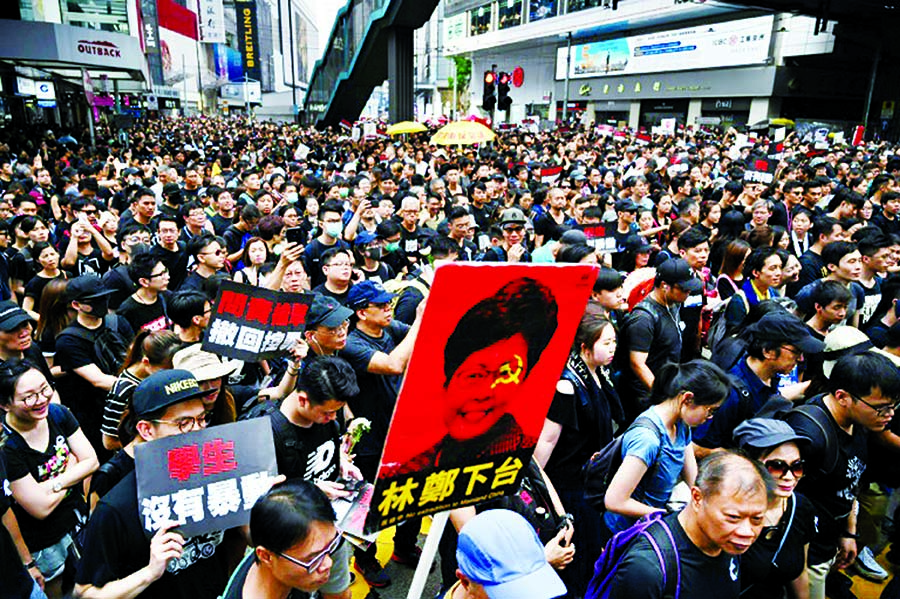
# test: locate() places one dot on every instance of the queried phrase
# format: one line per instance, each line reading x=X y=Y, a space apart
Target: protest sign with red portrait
x=491 y=348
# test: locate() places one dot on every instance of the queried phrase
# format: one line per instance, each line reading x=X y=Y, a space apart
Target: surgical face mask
x=391 y=246
x=344 y=192
x=334 y=229
x=292 y=197
x=374 y=253
x=99 y=305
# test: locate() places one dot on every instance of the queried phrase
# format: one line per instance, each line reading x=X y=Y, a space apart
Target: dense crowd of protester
x=727 y=314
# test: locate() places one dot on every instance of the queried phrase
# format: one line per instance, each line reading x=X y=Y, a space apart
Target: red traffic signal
x=489 y=77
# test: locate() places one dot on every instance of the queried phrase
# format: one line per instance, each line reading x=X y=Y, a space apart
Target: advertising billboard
x=734 y=43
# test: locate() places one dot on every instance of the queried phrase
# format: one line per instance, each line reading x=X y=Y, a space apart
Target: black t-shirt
x=88 y=264
x=17 y=583
x=22 y=460
x=312 y=259
x=176 y=262
x=234 y=239
x=239 y=578
x=35 y=287
x=639 y=575
x=193 y=282
x=381 y=274
x=378 y=392
x=110 y=473
x=655 y=330
x=145 y=316
x=832 y=494
x=117 y=279
x=551 y=230
x=762 y=579
x=23 y=265
x=340 y=297
x=311 y=453
x=483 y=216
x=220 y=223
x=117 y=546
x=585 y=412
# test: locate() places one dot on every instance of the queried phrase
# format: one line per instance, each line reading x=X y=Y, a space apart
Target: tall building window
x=480 y=21
x=542 y=9
x=509 y=13
x=576 y=5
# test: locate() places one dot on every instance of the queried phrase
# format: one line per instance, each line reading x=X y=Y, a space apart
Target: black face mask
x=99 y=305
x=374 y=253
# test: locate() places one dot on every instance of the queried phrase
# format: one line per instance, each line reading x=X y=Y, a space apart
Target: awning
x=64 y=50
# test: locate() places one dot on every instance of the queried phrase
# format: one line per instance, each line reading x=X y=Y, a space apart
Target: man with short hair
x=379 y=350
x=337 y=263
x=825 y=230
x=118 y=559
x=723 y=518
x=209 y=257
x=236 y=235
x=170 y=250
x=332 y=226
x=844 y=264
x=512 y=248
x=777 y=343
x=652 y=332
x=308 y=443
x=864 y=390
x=326 y=327
x=146 y=307
x=458 y=231
x=552 y=224
x=190 y=312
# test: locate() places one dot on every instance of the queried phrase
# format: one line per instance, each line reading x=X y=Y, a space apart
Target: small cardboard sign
x=251 y=324
x=600 y=236
x=207 y=480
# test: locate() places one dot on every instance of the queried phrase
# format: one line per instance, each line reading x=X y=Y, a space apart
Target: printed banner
x=252 y=324
x=207 y=480
x=211 y=18
x=600 y=236
x=248 y=38
x=761 y=171
x=492 y=345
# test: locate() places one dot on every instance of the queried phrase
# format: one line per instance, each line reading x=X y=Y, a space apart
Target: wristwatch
x=57 y=487
x=849 y=535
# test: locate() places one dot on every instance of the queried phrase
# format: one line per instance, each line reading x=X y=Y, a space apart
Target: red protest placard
x=492 y=345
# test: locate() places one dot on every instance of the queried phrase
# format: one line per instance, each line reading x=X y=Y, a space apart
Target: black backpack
x=782 y=409
x=282 y=434
x=110 y=345
x=603 y=465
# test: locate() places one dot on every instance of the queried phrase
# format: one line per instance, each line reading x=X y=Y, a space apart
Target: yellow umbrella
x=462 y=133
x=406 y=127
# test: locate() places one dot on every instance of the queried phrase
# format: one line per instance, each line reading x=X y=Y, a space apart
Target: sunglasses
x=779 y=468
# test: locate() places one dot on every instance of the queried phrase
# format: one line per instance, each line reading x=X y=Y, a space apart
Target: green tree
x=463 y=77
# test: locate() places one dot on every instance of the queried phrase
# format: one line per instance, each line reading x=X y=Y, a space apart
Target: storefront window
x=106 y=15
x=510 y=12
x=481 y=20
x=541 y=9
x=576 y=5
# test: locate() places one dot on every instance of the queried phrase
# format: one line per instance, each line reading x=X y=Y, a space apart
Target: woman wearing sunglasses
x=777 y=560
x=293 y=536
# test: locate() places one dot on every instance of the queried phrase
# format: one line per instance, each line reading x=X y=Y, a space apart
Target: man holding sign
x=119 y=560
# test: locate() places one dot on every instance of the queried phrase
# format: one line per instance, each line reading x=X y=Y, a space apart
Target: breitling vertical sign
x=248 y=37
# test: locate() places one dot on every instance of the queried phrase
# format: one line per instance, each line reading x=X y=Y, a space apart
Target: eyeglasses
x=187 y=423
x=514 y=229
x=881 y=410
x=317 y=560
x=218 y=252
x=335 y=331
x=779 y=468
x=793 y=350
x=165 y=272
x=94 y=211
x=32 y=399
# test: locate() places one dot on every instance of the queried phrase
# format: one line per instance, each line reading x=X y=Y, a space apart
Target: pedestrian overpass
x=372 y=40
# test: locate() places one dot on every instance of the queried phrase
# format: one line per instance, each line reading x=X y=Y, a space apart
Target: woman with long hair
x=48 y=258
x=149 y=352
x=731 y=276
x=656 y=448
x=56 y=315
x=580 y=423
x=47 y=458
x=255 y=255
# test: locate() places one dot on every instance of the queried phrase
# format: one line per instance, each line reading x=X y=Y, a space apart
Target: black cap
x=784 y=327
x=11 y=316
x=675 y=271
x=626 y=205
x=327 y=312
x=637 y=244
x=163 y=389
x=86 y=287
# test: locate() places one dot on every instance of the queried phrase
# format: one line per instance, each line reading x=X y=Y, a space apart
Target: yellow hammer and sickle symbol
x=507 y=375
